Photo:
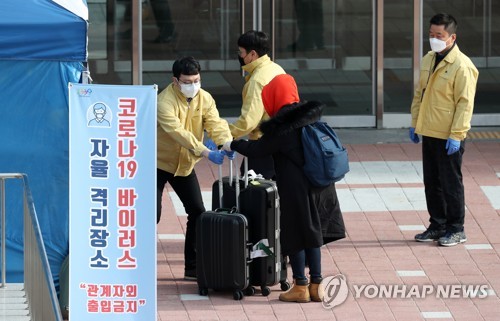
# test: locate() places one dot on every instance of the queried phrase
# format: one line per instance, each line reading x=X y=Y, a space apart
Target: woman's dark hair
x=255 y=40
x=448 y=21
x=186 y=66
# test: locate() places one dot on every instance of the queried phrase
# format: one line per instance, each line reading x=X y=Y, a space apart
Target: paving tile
x=171 y=236
x=411 y=273
x=437 y=315
x=417 y=228
x=493 y=194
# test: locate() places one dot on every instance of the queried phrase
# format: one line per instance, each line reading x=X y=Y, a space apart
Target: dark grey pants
x=444 y=189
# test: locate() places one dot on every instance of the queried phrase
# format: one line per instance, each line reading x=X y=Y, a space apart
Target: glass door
x=327 y=46
x=205 y=29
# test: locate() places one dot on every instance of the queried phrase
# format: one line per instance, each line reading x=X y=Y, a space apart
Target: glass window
x=327 y=47
x=398 y=51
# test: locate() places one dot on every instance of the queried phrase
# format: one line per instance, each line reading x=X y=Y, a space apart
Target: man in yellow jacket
x=185 y=111
x=441 y=112
x=253 y=49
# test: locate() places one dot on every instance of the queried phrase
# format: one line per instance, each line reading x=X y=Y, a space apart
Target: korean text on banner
x=112 y=215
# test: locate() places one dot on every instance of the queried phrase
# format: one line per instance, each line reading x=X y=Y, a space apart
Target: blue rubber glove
x=229 y=154
x=452 y=146
x=216 y=157
x=210 y=144
x=414 y=137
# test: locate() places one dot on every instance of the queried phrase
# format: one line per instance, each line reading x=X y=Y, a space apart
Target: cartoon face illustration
x=99 y=112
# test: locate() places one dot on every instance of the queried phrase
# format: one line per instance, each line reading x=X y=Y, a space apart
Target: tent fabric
x=34 y=131
x=41 y=30
x=42 y=48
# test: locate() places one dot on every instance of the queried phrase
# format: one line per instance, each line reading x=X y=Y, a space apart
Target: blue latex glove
x=210 y=144
x=414 y=137
x=216 y=157
x=229 y=154
x=452 y=146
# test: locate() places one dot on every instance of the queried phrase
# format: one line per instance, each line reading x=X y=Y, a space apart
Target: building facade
x=360 y=57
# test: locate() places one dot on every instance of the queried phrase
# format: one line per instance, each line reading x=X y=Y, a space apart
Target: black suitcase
x=258 y=200
x=222 y=251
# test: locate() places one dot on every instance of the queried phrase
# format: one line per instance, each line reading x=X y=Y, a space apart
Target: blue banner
x=112 y=203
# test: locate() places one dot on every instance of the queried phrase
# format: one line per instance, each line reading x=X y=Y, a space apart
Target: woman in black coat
x=310 y=216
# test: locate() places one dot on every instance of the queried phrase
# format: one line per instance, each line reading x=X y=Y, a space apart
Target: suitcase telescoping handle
x=245 y=167
x=237 y=183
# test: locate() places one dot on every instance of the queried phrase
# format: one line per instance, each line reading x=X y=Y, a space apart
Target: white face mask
x=437 y=45
x=190 y=90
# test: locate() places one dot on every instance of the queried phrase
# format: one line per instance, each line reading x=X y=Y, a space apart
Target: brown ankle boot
x=298 y=293
x=315 y=290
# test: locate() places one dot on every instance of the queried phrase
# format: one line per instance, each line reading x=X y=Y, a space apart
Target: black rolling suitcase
x=222 y=251
x=258 y=200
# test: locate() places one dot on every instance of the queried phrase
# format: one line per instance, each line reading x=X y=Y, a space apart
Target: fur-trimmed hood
x=293 y=116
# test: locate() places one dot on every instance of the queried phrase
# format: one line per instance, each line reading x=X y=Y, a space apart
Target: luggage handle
x=226 y=210
x=249 y=249
x=245 y=167
x=245 y=172
x=237 y=183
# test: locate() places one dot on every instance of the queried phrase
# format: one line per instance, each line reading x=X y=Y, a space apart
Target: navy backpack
x=326 y=160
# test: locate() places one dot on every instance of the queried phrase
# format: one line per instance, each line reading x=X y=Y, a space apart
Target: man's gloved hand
x=210 y=144
x=216 y=157
x=452 y=146
x=414 y=137
x=229 y=154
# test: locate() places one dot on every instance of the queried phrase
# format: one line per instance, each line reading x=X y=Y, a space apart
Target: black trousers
x=444 y=189
x=161 y=11
x=310 y=23
x=189 y=192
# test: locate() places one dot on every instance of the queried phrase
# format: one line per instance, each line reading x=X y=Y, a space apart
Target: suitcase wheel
x=238 y=295
x=265 y=290
x=285 y=286
x=203 y=291
x=249 y=291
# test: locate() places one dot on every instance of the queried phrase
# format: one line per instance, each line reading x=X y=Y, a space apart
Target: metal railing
x=38 y=282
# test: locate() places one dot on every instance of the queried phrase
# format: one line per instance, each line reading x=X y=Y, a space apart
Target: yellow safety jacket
x=180 y=129
x=444 y=99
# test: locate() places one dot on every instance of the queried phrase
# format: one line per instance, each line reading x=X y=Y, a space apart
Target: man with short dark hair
x=441 y=112
x=185 y=111
x=253 y=50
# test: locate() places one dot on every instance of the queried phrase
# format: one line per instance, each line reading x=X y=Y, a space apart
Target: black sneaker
x=190 y=275
x=452 y=238
x=429 y=235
